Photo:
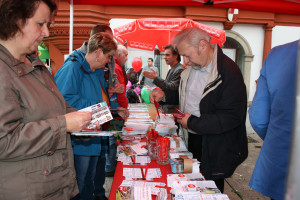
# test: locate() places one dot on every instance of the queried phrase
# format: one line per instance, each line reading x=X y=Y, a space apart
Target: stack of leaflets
x=141 y=173
x=165 y=119
x=180 y=158
x=177 y=154
x=133 y=193
x=142 y=193
x=172 y=178
x=139 y=183
x=160 y=192
x=137 y=160
x=186 y=189
x=135 y=149
x=138 y=188
x=138 y=106
x=166 y=129
x=165 y=125
x=134 y=136
x=138 y=122
x=195 y=187
x=177 y=144
x=200 y=197
x=138 y=126
x=184 y=165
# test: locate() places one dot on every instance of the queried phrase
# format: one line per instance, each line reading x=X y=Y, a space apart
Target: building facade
x=249 y=34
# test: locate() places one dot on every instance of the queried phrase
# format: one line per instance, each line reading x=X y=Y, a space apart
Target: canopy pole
x=71 y=27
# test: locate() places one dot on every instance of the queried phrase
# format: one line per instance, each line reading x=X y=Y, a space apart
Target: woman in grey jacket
x=36 y=158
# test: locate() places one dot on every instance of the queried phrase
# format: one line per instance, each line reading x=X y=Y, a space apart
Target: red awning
x=149 y=33
x=272 y=6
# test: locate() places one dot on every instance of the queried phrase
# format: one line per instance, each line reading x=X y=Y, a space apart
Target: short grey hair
x=121 y=48
x=192 y=36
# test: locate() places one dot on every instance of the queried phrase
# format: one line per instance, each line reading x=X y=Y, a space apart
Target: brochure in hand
x=100 y=115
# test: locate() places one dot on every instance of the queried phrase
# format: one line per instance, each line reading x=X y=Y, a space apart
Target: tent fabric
x=272 y=6
x=151 y=33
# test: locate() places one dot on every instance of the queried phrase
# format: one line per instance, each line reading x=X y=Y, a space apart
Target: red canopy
x=148 y=33
x=272 y=6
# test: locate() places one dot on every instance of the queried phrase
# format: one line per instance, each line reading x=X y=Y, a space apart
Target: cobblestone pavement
x=236 y=187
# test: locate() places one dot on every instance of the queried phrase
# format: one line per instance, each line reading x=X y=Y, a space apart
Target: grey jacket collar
x=83 y=47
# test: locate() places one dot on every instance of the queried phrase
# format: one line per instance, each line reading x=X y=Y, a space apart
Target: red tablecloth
x=118 y=178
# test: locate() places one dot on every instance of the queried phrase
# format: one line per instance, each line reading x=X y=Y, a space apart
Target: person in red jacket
x=120 y=60
x=117 y=123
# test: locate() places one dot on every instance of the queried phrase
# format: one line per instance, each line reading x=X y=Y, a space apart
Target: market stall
x=145 y=170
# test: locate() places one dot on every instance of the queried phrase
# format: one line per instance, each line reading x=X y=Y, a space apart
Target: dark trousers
x=99 y=179
x=220 y=184
x=195 y=146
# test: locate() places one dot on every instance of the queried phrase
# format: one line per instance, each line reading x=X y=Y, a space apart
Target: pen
x=142 y=173
x=158 y=107
x=179 y=110
x=132 y=159
x=146 y=172
x=155 y=104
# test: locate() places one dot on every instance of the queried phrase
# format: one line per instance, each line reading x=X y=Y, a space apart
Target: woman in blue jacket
x=81 y=81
